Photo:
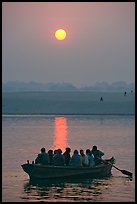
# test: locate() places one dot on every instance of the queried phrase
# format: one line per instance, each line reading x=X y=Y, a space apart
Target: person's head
x=59 y=151
x=55 y=151
x=50 y=151
x=88 y=151
x=82 y=152
x=68 y=149
x=43 y=150
x=75 y=151
x=94 y=148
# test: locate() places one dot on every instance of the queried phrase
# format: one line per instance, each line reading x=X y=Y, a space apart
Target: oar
x=128 y=173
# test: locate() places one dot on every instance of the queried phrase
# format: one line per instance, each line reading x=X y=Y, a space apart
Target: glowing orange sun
x=60 y=34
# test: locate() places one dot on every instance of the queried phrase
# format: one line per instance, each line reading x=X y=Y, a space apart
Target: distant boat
x=36 y=171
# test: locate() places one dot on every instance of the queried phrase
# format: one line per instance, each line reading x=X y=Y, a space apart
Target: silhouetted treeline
x=17 y=86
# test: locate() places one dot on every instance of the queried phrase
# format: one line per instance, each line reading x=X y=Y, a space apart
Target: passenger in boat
x=55 y=151
x=42 y=157
x=66 y=155
x=58 y=158
x=76 y=159
x=50 y=154
x=84 y=158
x=90 y=158
x=97 y=155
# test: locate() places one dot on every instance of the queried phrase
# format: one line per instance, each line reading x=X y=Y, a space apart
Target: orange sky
x=99 y=45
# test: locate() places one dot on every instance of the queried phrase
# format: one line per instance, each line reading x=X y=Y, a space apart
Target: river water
x=24 y=135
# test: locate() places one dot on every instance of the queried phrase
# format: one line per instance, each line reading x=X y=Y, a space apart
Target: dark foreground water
x=24 y=135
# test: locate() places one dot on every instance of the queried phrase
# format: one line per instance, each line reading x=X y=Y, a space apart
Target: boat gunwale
x=68 y=167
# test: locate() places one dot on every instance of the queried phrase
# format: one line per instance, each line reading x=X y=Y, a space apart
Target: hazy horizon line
x=17 y=86
x=67 y=82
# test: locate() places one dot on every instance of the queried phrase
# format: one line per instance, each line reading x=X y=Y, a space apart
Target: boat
x=38 y=171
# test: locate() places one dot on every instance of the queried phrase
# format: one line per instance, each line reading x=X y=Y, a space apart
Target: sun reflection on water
x=60 y=133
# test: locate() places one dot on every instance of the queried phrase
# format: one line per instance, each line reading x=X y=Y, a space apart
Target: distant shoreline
x=18 y=86
x=77 y=91
x=63 y=114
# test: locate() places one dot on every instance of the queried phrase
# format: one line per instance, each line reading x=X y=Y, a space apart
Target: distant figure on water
x=101 y=99
x=97 y=154
x=42 y=157
x=125 y=93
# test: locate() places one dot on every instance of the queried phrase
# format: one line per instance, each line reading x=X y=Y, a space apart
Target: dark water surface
x=68 y=103
x=24 y=135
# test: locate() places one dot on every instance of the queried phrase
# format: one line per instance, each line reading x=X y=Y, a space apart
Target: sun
x=60 y=34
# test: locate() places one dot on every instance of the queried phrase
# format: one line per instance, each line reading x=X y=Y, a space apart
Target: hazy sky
x=100 y=42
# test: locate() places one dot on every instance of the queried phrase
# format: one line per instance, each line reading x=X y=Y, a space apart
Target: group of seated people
x=78 y=159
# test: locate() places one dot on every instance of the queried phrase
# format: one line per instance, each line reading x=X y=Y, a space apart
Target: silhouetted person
x=97 y=154
x=84 y=158
x=55 y=152
x=90 y=158
x=101 y=99
x=66 y=155
x=58 y=159
x=50 y=153
x=75 y=159
x=125 y=93
x=42 y=157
